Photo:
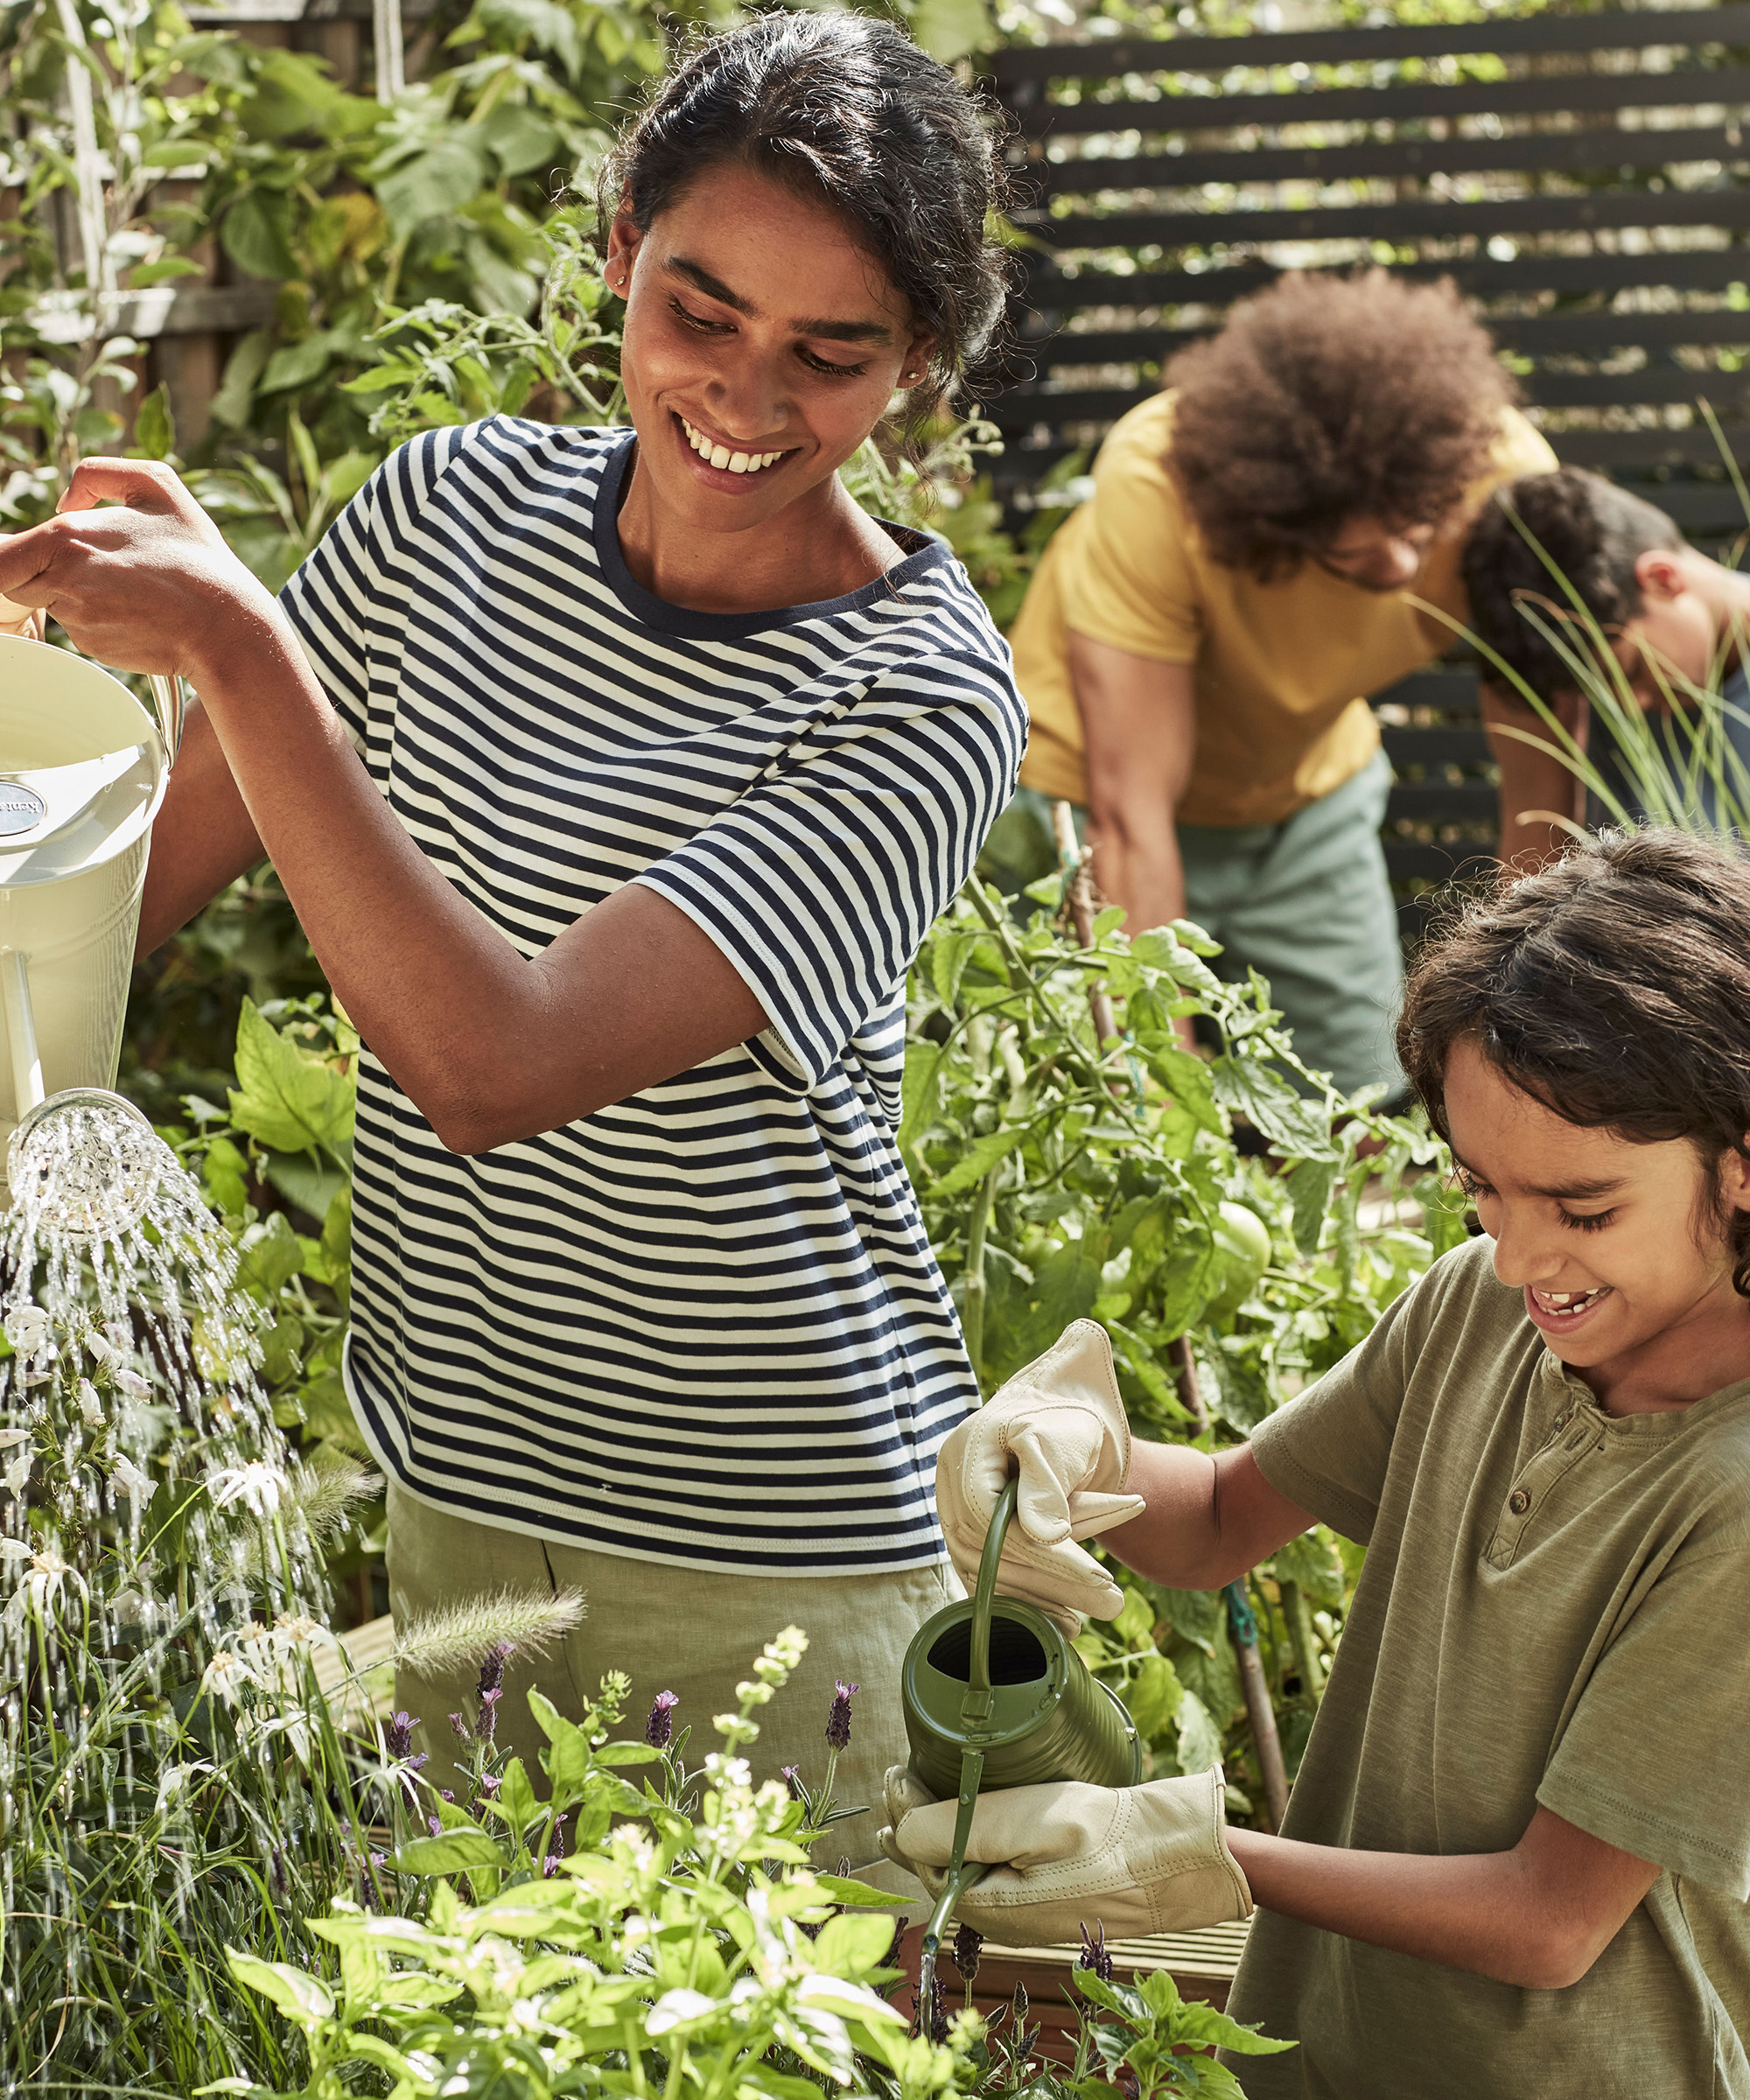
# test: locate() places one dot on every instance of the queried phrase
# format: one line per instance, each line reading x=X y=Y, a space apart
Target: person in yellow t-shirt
x=1198 y=644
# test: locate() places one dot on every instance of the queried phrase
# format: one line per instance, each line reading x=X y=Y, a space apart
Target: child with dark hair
x=1198 y=645
x=616 y=776
x=1675 y=620
x=1516 y=1857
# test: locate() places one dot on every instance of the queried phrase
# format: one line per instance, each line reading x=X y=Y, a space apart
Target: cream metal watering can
x=83 y=770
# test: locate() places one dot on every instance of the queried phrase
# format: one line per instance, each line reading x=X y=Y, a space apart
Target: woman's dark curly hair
x=1613 y=987
x=847 y=110
x=1325 y=399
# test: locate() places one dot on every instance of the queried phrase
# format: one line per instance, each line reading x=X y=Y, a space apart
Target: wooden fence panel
x=1584 y=179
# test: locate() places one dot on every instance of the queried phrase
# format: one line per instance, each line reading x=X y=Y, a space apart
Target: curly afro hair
x=1592 y=533
x=1325 y=399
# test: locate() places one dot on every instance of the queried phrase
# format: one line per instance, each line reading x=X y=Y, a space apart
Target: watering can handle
x=983 y=1596
x=167 y=711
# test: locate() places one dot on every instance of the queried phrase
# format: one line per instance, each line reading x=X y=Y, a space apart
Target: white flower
x=126 y=1479
x=18 y=1470
x=103 y=1354
x=136 y=1387
x=176 y=1779
x=27 y=1328
x=9 y=1437
x=90 y=1407
x=300 y=1630
x=257 y=1485
x=46 y=1577
x=226 y=1674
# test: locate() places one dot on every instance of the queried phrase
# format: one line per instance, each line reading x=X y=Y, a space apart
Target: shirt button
x=1563 y=1418
x=1519 y=1501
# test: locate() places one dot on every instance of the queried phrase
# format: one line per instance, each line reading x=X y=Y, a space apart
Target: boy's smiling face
x=1618 y=1247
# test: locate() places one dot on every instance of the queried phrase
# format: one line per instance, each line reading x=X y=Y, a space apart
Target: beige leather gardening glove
x=1059 y=1424
x=1135 y=1859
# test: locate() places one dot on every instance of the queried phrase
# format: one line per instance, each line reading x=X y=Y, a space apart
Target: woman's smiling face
x=761 y=346
x=1618 y=1247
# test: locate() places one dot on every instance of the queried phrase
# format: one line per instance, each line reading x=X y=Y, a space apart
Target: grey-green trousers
x=673 y=1629
x=1307 y=903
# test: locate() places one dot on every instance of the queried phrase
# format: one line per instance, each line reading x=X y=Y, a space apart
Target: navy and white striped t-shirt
x=705 y=1324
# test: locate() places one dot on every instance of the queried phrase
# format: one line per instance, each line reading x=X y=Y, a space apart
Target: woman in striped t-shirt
x=616 y=776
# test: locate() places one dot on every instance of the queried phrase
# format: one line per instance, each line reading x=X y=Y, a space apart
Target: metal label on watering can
x=21 y=809
x=995 y=1697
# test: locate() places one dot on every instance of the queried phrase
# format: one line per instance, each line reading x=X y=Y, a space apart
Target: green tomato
x=1242 y=1248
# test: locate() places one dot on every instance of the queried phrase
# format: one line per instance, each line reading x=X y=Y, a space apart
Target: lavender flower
x=398 y=1734
x=1095 y=1955
x=460 y=1725
x=838 y=1717
x=660 y=1724
x=934 y=2022
x=791 y=1777
x=486 y=1722
x=965 y=1948
x=554 y=1859
x=491 y=1669
x=434 y=1825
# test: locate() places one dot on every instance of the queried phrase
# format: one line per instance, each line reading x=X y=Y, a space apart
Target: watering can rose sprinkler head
x=84 y=1163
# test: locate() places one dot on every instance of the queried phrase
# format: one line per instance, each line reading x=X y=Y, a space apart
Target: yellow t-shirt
x=1282 y=669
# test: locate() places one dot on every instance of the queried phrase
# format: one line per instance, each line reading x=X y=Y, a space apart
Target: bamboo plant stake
x=1243 y=1632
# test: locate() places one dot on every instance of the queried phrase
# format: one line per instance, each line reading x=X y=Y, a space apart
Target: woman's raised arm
x=489 y=1046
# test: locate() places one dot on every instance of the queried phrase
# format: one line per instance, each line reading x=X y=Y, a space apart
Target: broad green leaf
x=451 y=171
x=1154 y=1696
x=1203 y=2027
x=287 y=1099
x=256 y=233
x=1311 y=1561
x=1199 y=1740
x=838 y=1888
x=297 y=1994
x=1295 y=1128
x=272 y=1256
x=516 y=1802
x=978 y=1159
x=1309 y=1189
x=627 y=1753
x=852 y=1943
x=455 y=1851
x=154 y=427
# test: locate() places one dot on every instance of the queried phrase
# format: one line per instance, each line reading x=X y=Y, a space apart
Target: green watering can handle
x=974 y=1708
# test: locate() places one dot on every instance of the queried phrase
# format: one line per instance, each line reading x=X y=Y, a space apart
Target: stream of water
x=146 y=1538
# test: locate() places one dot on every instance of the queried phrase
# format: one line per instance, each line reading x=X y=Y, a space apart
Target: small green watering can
x=995 y=1697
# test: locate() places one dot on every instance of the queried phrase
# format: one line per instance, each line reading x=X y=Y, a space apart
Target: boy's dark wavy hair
x=1593 y=532
x=847 y=110
x=1325 y=399
x=1613 y=987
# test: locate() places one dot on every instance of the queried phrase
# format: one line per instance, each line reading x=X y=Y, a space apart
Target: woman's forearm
x=435 y=989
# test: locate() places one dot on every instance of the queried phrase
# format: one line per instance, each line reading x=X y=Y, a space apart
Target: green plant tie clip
x=1241 y=1617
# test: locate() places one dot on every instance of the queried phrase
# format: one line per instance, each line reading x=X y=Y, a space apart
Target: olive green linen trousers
x=672 y=1629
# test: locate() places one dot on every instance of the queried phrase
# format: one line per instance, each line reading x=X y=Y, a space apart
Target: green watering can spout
x=995 y=1697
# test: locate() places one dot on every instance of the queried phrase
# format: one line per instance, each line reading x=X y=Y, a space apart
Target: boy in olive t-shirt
x=1515 y=1864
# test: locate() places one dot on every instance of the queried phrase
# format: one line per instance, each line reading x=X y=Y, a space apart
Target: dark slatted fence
x=1582 y=178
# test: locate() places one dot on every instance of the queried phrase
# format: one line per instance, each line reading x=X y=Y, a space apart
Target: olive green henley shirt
x=1555 y=1608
